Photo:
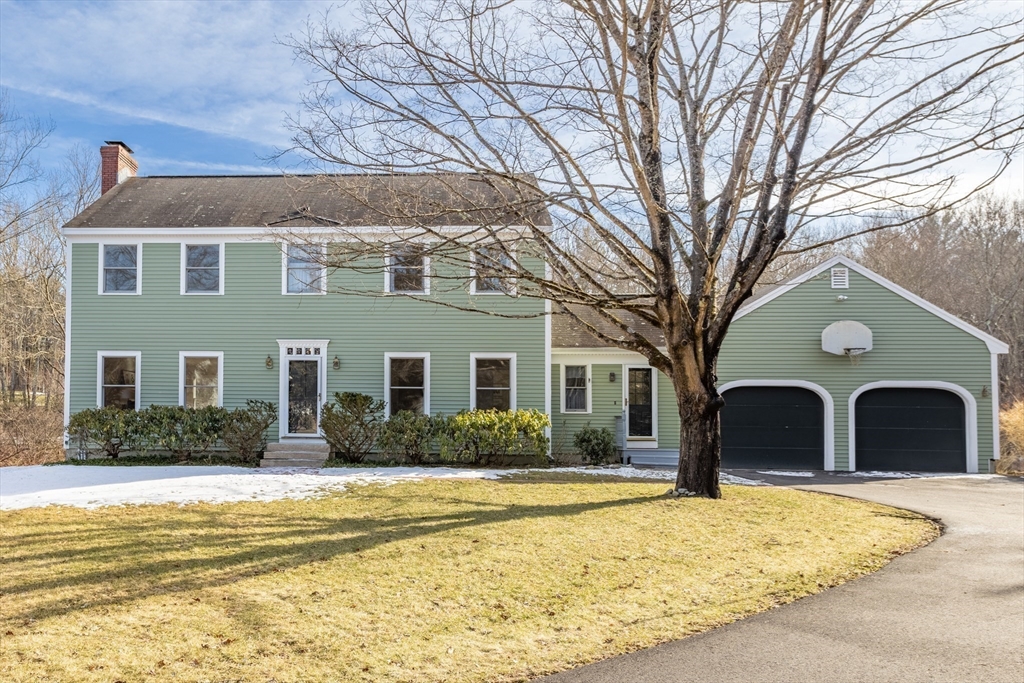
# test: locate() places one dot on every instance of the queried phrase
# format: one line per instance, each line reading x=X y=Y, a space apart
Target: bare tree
x=20 y=173
x=678 y=146
x=969 y=261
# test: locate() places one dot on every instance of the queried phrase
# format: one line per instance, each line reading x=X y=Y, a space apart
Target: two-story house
x=182 y=290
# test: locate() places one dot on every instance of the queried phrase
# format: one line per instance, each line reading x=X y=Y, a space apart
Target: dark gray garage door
x=777 y=427
x=917 y=430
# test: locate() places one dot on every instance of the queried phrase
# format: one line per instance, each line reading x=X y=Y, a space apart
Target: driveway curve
x=952 y=611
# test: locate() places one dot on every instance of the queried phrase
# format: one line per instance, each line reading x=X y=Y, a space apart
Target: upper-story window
x=304 y=269
x=202 y=271
x=120 y=274
x=407 y=270
x=490 y=268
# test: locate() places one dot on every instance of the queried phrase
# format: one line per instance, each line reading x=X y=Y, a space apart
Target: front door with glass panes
x=303 y=388
x=640 y=403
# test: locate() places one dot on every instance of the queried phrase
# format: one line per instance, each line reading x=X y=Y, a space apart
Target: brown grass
x=430 y=581
x=1011 y=425
x=30 y=436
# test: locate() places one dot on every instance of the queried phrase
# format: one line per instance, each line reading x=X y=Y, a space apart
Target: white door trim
x=640 y=441
x=283 y=358
x=826 y=398
x=970 y=408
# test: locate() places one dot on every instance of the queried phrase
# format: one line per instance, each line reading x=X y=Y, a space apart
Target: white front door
x=303 y=380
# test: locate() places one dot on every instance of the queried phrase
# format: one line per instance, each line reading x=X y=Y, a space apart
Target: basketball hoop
x=854 y=354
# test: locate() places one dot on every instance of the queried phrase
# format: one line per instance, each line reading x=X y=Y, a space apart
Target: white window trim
x=220 y=260
x=387 y=277
x=284 y=272
x=100 y=355
x=826 y=398
x=219 y=355
x=426 y=378
x=640 y=441
x=138 y=268
x=512 y=289
x=474 y=357
x=970 y=410
x=590 y=383
x=282 y=386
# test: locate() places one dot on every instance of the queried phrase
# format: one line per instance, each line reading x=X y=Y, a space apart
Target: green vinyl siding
x=606 y=403
x=246 y=322
x=781 y=340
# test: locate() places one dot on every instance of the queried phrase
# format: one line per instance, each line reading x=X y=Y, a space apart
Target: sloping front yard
x=420 y=581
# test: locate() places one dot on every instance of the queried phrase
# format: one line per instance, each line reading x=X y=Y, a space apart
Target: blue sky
x=191 y=87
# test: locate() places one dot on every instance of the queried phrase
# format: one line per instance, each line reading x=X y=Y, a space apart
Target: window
x=575 y=397
x=200 y=379
x=120 y=271
x=407 y=271
x=840 y=278
x=493 y=381
x=407 y=380
x=304 y=271
x=119 y=379
x=201 y=269
x=488 y=264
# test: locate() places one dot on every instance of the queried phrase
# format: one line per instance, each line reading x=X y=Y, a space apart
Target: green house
x=839 y=369
x=187 y=290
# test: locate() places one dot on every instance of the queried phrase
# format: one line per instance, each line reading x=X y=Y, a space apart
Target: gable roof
x=994 y=345
x=430 y=199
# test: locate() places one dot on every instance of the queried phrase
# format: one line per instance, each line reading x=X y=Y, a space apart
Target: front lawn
x=425 y=581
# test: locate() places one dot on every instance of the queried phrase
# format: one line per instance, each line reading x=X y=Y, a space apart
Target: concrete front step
x=299 y=447
x=296 y=454
x=292 y=462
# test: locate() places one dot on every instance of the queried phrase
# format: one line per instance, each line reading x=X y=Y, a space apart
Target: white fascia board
x=994 y=345
x=256 y=233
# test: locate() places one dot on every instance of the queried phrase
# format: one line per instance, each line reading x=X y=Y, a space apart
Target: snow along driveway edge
x=94 y=486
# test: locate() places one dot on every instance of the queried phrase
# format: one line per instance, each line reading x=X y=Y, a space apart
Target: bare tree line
x=33 y=207
x=679 y=146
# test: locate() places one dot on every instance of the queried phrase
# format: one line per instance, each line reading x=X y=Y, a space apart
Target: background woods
x=33 y=207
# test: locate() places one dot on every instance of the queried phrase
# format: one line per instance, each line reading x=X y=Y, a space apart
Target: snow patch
x=92 y=487
x=786 y=473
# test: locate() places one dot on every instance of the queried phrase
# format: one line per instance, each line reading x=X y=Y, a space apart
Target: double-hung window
x=574 y=399
x=202 y=270
x=304 y=269
x=120 y=272
x=493 y=381
x=200 y=378
x=407 y=270
x=407 y=379
x=118 y=379
x=491 y=266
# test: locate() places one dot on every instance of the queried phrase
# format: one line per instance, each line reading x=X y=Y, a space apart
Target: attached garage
x=914 y=429
x=773 y=427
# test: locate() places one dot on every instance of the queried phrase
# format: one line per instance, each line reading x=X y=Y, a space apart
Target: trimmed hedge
x=183 y=432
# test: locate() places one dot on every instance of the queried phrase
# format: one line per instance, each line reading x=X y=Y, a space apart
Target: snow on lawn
x=96 y=486
x=786 y=473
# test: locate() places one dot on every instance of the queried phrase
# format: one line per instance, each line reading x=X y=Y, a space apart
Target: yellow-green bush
x=1011 y=424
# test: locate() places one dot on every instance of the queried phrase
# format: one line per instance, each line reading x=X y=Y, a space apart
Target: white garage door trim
x=970 y=407
x=826 y=398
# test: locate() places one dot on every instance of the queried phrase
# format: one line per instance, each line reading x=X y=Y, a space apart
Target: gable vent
x=840 y=278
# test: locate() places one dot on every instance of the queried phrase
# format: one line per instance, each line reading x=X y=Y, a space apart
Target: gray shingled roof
x=433 y=199
x=566 y=332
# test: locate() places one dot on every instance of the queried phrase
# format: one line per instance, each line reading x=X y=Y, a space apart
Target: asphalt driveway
x=951 y=611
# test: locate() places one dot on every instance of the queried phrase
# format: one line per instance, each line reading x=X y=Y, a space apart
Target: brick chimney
x=118 y=164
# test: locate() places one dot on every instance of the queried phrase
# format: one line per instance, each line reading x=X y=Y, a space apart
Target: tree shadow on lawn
x=138 y=559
